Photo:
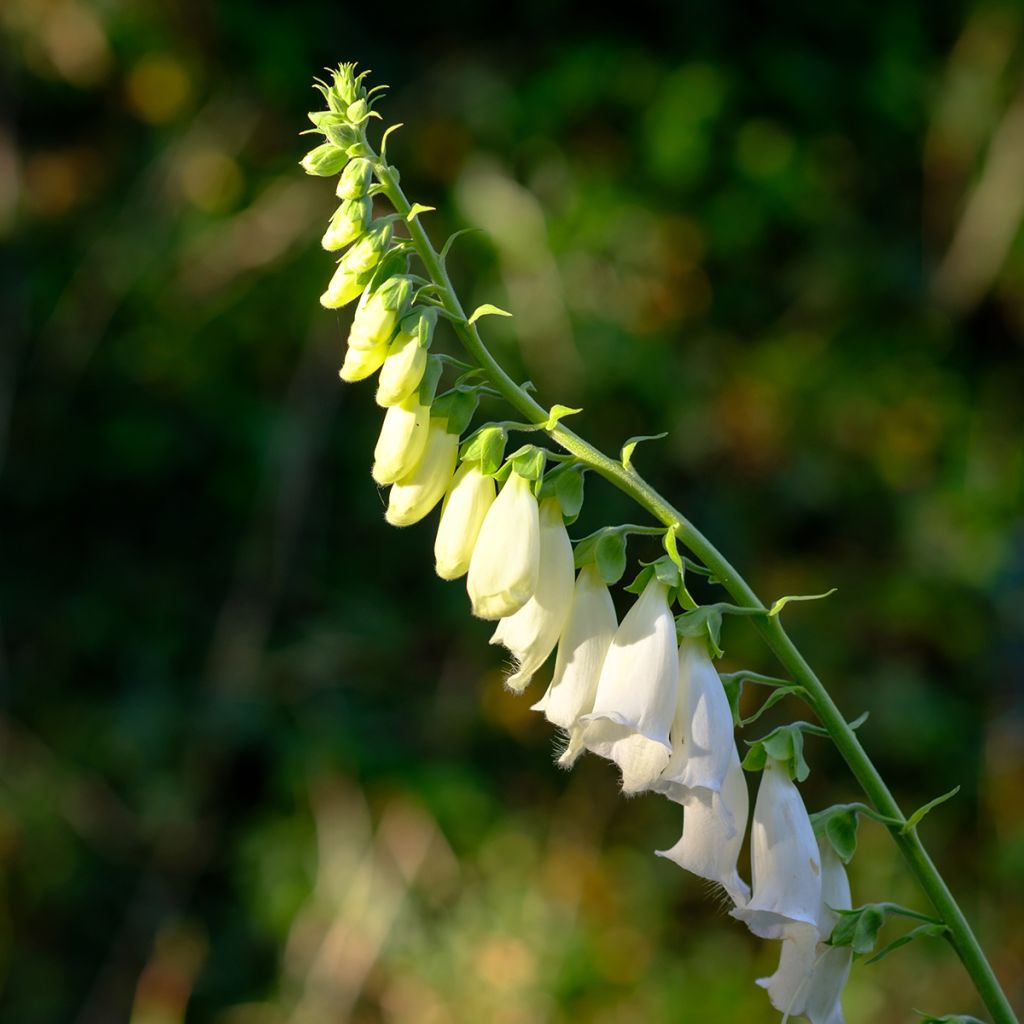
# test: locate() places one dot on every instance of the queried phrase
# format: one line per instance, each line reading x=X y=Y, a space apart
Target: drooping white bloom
x=714 y=824
x=402 y=371
x=505 y=564
x=785 y=862
x=350 y=220
x=403 y=436
x=469 y=496
x=812 y=975
x=361 y=363
x=582 y=648
x=531 y=633
x=379 y=311
x=416 y=493
x=702 y=732
x=636 y=692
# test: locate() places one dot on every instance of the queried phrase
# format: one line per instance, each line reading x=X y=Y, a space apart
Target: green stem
x=627 y=480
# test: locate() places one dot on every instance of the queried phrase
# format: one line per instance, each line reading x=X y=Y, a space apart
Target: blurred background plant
x=257 y=763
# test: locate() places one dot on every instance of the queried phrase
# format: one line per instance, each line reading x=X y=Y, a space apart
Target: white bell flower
x=402 y=371
x=469 y=496
x=714 y=824
x=416 y=493
x=785 y=862
x=379 y=311
x=403 y=436
x=702 y=732
x=361 y=363
x=531 y=633
x=636 y=693
x=811 y=974
x=582 y=648
x=505 y=564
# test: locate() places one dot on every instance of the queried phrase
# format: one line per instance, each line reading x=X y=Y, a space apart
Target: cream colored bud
x=344 y=286
x=360 y=363
x=347 y=224
x=379 y=311
x=412 y=497
x=467 y=502
x=403 y=436
x=402 y=371
x=506 y=559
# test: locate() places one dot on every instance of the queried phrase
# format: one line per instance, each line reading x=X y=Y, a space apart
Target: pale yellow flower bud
x=506 y=559
x=412 y=497
x=403 y=436
x=360 y=363
x=466 y=504
x=402 y=371
x=379 y=311
x=347 y=224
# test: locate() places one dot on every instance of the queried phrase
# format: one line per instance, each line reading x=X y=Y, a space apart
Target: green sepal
x=785 y=745
x=607 y=550
x=630 y=446
x=419 y=323
x=859 y=928
x=528 y=462
x=950 y=1018
x=664 y=569
x=431 y=376
x=672 y=550
x=458 y=406
x=568 y=485
x=342 y=136
x=487 y=447
x=703 y=622
x=838 y=825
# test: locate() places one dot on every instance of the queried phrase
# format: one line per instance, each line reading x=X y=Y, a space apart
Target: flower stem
x=630 y=482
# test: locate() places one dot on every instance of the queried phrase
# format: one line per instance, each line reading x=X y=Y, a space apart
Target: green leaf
x=703 y=622
x=785 y=745
x=417 y=209
x=838 y=825
x=384 y=141
x=950 y=1018
x=770 y=701
x=640 y=581
x=915 y=819
x=447 y=248
x=486 y=310
x=858 y=928
x=487 y=447
x=569 y=491
x=922 y=931
x=630 y=446
x=557 y=412
x=783 y=601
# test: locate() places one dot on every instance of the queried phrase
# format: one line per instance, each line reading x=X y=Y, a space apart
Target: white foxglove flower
x=531 y=633
x=414 y=495
x=812 y=975
x=636 y=693
x=785 y=862
x=402 y=371
x=702 y=733
x=469 y=497
x=582 y=648
x=403 y=436
x=379 y=311
x=714 y=823
x=350 y=220
x=506 y=558
x=361 y=363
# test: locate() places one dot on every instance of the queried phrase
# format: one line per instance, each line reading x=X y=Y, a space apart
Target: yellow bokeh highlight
x=158 y=88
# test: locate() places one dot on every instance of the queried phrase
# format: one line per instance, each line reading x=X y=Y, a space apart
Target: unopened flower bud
x=348 y=223
x=379 y=311
x=467 y=502
x=415 y=494
x=356 y=267
x=324 y=161
x=403 y=436
x=403 y=369
x=347 y=84
x=357 y=111
x=355 y=179
x=506 y=559
x=360 y=363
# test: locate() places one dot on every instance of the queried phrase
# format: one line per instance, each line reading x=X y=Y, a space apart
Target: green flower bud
x=342 y=135
x=324 y=161
x=379 y=311
x=344 y=287
x=347 y=84
x=350 y=220
x=356 y=267
x=358 y=112
x=355 y=179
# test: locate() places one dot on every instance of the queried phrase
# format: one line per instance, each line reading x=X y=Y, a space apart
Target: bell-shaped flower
x=403 y=436
x=531 y=633
x=811 y=974
x=505 y=564
x=356 y=267
x=582 y=648
x=355 y=179
x=379 y=311
x=636 y=693
x=403 y=369
x=350 y=220
x=714 y=823
x=416 y=493
x=702 y=732
x=469 y=497
x=785 y=862
x=361 y=363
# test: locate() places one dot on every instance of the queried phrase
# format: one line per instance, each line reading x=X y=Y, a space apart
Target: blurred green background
x=257 y=763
